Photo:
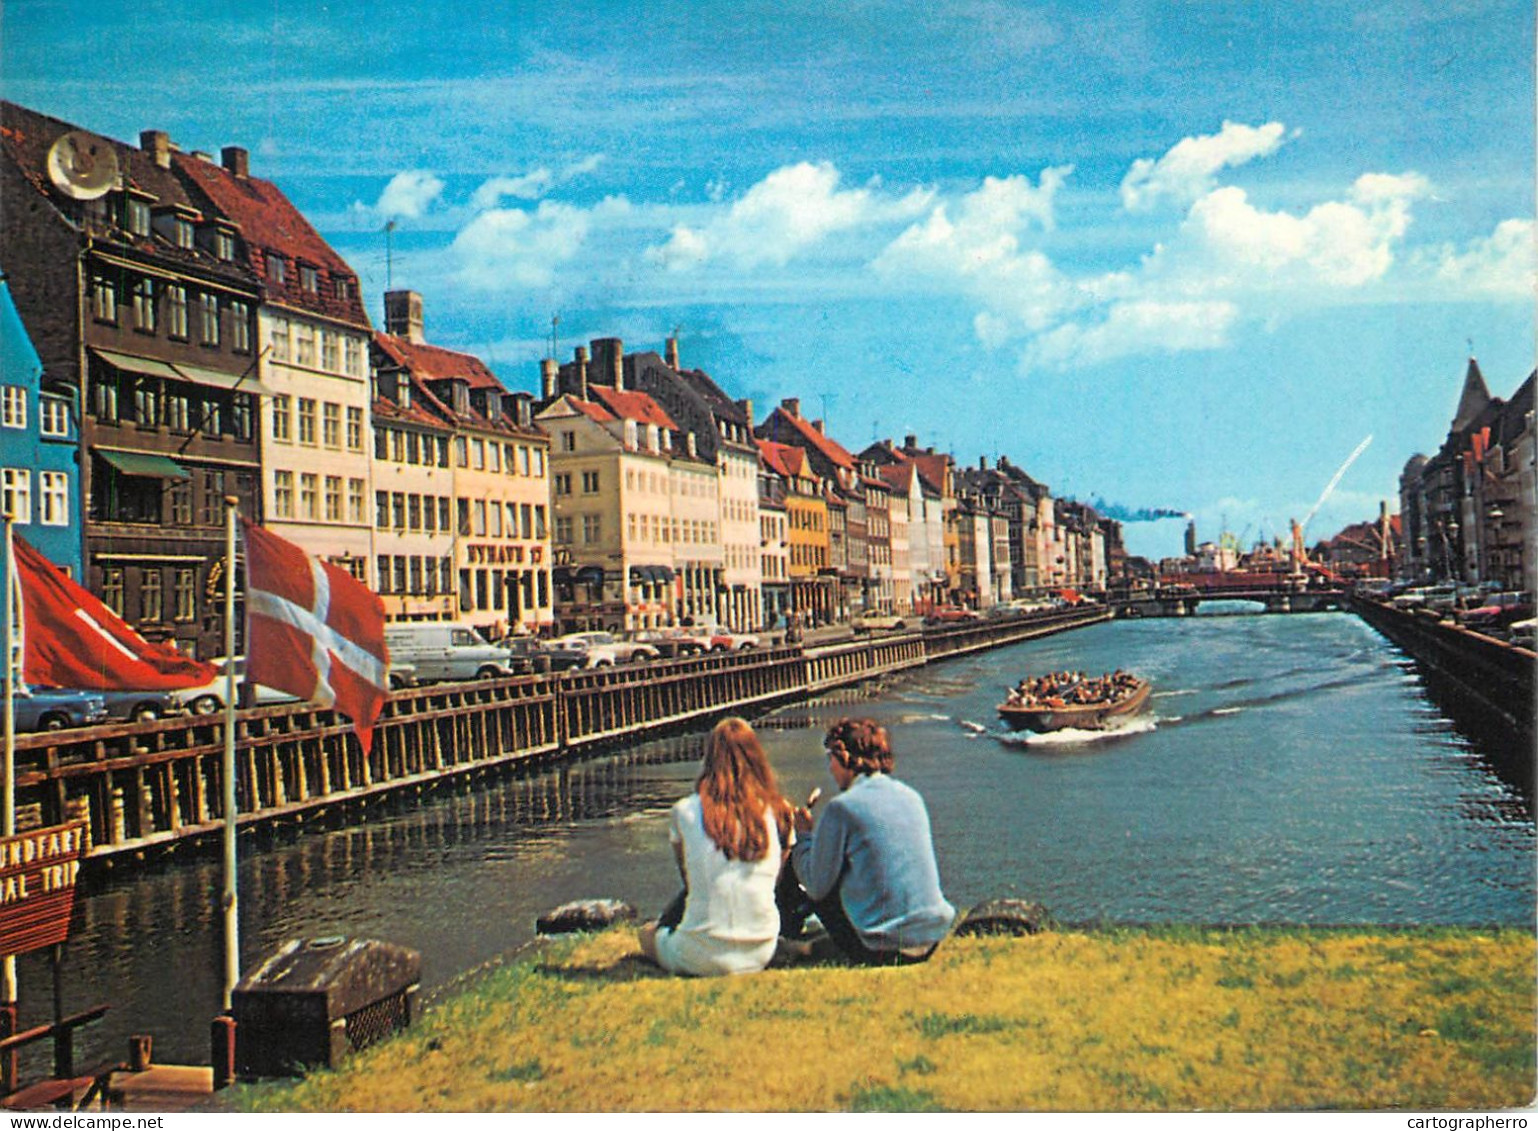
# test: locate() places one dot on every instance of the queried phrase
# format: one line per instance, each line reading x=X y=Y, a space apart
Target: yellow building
x=808 y=547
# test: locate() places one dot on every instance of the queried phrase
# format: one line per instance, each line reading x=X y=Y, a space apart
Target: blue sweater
x=872 y=844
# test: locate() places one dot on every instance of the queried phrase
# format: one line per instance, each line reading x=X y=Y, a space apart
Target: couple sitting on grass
x=756 y=869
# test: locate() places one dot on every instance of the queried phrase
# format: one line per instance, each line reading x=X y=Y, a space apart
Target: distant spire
x=1474 y=399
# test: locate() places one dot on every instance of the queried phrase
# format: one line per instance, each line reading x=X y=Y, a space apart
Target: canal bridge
x=1276 y=592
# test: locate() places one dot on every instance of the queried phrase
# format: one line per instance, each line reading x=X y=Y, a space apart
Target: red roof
x=269 y=222
x=898 y=475
x=830 y=449
x=931 y=470
x=591 y=410
x=434 y=363
x=631 y=405
x=784 y=459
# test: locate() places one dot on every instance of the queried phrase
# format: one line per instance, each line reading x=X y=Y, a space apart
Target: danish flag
x=71 y=639
x=315 y=631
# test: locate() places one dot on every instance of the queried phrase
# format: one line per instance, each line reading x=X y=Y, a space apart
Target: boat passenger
x=731 y=837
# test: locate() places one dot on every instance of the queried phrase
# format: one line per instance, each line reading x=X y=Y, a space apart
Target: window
x=413 y=448
x=185 y=594
x=181 y=502
x=382 y=510
x=309 y=278
x=277 y=268
x=479 y=510
x=443 y=451
x=590 y=482
x=355 y=492
x=54 y=489
x=478 y=455
x=398 y=510
x=354 y=429
x=352 y=354
x=494 y=516
x=240 y=327
x=304 y=344
x=414 y=512
x=429 y=514
x=176 y=310
x=178 y=410
x=539 y=521
x=494 y=457
x=146 y=402
x=333 y=498
x=112 y=589
x=104 y=298
x=144 y=305
x=16 y=493
x=55 y=416
x=463 y=506
x=568 y=441
x=342 y=288
x=181 y=230
x=381 y=443
x=592 y=527
x=331 y=424
x=151 y=599
x=282 y=417
x=328 y=351
x=308 y=483
x=280 y=343
x=526 y=525
x=224 y=244
x=539 y=463
x=283 y=494
x=208 y=319
x=563 y=483
x=461 y=452
x=307 y=421
x=13 y=407
x=136 y=217
x=383 y=569
x=563 y=530
x=443 y=514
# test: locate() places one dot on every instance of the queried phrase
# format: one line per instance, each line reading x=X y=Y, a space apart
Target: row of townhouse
x=194 y=339
x=1467 y=512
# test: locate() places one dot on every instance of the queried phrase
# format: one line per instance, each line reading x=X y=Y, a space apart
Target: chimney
x=817 y=424
x=792 y=406
x=547 y=378
x=910 y=441
x=157 y=143
x=982 y=463
x=403 y=315
x=689 y=445
x=581 y=365
x=671 y=351
x=746 y=404
x=609 y=361
x=236 y=160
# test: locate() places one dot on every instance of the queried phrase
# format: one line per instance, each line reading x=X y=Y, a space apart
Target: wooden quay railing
x=147 y=787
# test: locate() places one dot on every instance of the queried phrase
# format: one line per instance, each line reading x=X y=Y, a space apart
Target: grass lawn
x=1159 y=1019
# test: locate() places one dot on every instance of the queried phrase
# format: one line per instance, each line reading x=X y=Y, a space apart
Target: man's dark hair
x=861 y=745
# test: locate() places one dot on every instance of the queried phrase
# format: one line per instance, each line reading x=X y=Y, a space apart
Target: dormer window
x=277 y=270
x=343 y=288
x=182 y=233
x=224 y=244
x=309 y=278
x=136 y=216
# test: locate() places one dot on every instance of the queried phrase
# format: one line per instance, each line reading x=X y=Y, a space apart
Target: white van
x=439 y=650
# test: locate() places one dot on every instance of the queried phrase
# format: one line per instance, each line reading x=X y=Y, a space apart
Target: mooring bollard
x=221 y=1040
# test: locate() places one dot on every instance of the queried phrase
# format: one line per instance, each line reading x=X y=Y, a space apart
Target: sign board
x=38 y=870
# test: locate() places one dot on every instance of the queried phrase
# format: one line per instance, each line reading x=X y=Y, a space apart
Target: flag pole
x=8 y=771
x=231 y=902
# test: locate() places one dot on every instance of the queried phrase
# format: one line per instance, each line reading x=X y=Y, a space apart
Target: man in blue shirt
x=869 y=865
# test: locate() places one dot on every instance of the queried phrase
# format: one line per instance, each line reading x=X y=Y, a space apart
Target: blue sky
x=1180 y=256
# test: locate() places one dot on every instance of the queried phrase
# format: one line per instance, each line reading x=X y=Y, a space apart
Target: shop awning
x=561 y=575
x=234 y=382
x=144 y=463
x=589 y=575
x=145 y=366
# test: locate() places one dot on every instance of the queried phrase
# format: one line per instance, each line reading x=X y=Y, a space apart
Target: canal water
x=1291 y=769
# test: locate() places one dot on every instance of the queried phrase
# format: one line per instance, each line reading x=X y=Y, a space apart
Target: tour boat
x=1043 y=717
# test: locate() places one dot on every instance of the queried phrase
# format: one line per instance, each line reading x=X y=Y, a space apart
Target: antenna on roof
x=555 y=320
x=389 y=273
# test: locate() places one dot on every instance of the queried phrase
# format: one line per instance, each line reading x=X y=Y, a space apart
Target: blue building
x=39 y=470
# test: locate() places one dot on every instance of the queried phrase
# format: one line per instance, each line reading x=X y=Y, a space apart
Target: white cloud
x=1189 y=169
x=529 y=186
x=1501 y=265
x=1137 y=327
x=509 y=247
x=792 y=210
x=408 y=195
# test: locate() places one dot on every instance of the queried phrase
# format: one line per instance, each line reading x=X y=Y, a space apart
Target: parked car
x=443 y=650
x=1522 y=633
x=718 y=639
x=562 y=657
x=604 y=649
x=1441 y=598
x=1500 y=610
x=141 y=706
x=673 y=642
x=208 y=698
x=1410 y=599
x=522 y=653
x=952 y=615
x=879 y=622
x=55 y=708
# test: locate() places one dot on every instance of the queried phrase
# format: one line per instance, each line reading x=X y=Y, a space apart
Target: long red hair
x=736 y=786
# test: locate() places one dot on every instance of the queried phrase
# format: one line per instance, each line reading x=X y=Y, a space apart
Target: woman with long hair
x=730 y=837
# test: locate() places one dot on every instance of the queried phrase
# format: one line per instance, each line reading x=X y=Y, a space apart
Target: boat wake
x=1068 y=736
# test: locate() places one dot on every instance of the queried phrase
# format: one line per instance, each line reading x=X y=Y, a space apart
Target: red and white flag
x=315 y=631
x=70 y=639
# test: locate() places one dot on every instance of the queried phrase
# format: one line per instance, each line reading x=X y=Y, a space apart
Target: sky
x=1170 y=256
